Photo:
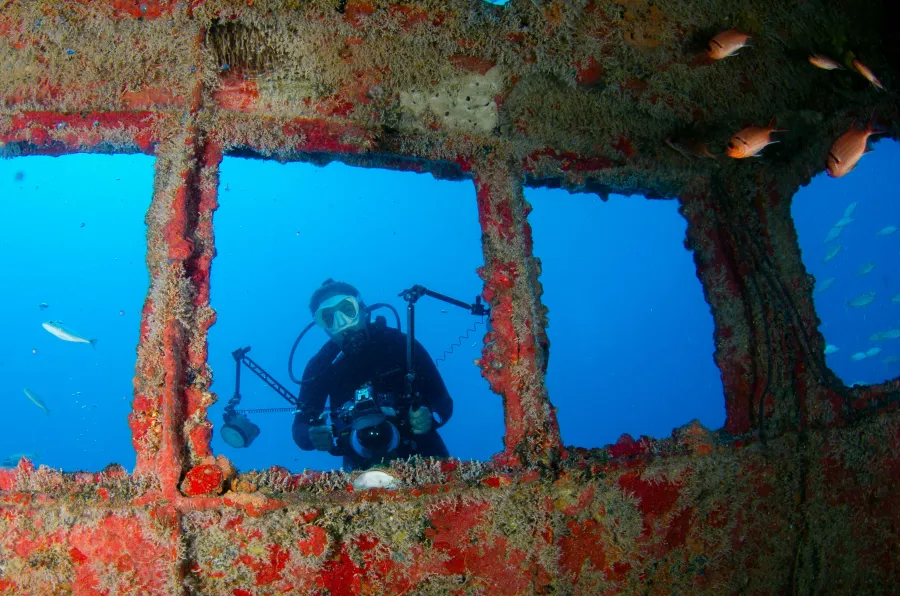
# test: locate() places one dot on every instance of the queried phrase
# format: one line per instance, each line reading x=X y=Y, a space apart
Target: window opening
x=283 y=229
x=631 y=331
x=847 y=230
x=73 y=259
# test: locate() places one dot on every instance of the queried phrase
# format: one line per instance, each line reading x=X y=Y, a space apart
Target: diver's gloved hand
x=321 y=437
x=420 y=420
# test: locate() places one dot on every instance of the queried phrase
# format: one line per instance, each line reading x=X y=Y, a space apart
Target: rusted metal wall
x=796 y=494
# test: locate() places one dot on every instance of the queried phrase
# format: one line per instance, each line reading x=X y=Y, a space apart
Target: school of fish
x=863 y=300
x=846 y=151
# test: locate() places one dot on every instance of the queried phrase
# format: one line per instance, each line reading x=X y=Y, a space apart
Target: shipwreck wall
x=795 y=494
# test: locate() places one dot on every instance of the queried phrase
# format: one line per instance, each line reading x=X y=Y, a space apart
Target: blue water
x=92 y=278
x=281 y=230
x=631 y=334
x=873 y=186
x=632 y=337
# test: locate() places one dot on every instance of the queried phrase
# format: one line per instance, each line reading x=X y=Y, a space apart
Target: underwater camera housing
x=371 y=433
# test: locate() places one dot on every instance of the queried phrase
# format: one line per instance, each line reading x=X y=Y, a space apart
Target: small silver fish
x=848 y=212
x=43 y=305
x=843 y=222
x=886 y=231
x=877 y=336
x=57 y=329
x=12 y=460
x=896 y=299
x=830 y=349
x=892 y=359
x=36 y=400
x=825 y=284
x=890 y=334
x=862 y=300
x=858 y=356
x=833 y=234
x=832 y=252
x=871 y=352
x=867 y=268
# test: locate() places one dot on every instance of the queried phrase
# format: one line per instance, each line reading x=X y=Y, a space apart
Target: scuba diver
x=362 y=371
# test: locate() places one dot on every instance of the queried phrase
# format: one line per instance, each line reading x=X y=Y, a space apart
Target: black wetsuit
x=382 y=362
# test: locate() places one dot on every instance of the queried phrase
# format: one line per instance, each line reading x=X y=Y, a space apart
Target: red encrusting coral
x=720 y=515
x=204 y=479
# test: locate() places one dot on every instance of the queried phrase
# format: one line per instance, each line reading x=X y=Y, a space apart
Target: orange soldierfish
x=848 y=148
x=864 y=71
x=726 y=44
x=751 y=140
x=824 y=62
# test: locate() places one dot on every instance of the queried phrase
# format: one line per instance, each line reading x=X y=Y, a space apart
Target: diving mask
x=338 y=313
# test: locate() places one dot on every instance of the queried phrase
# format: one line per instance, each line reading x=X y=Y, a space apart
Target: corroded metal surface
x=692 y=514
x=795 y=494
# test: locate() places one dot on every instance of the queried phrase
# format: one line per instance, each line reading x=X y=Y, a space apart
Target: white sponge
x=464 y=103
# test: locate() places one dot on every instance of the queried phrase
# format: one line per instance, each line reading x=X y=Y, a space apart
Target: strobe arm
x=411 y=296
x=414 y=293
x=240 y=357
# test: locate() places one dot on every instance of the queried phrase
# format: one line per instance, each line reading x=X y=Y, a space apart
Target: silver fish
x=877 y=336
x=833 y=234
x=843 y=222
x=825 y=284
x=858 y=356
x=892 y=359
x=830 y=349
x=873 y=352
x=896 y=298
x=867 y=268
x=862 y=300
x=890 y=334
x=850 y=209
x=36 y=399
x=13 y=459
x=832 y=252
x=57 y=329
x=886 y=231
